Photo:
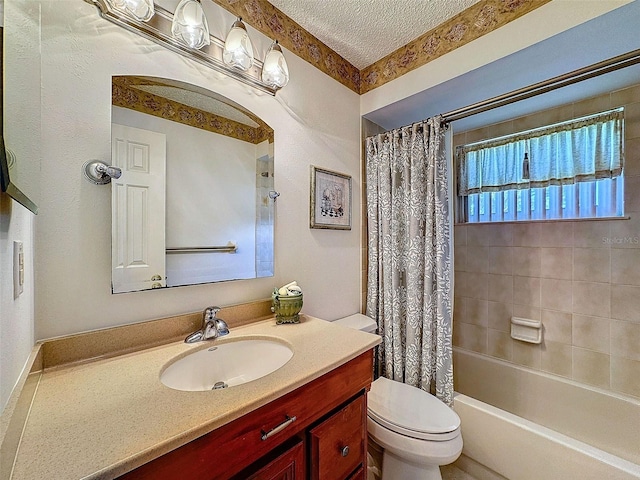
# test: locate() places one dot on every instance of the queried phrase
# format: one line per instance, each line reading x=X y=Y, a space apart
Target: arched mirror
x=195 y=201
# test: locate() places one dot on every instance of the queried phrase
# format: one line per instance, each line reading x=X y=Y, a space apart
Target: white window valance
x=579 y=150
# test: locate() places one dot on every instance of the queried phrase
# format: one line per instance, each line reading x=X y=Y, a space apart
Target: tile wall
x=582 y=279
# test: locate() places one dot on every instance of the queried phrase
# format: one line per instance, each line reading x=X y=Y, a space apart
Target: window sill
x=553 y=220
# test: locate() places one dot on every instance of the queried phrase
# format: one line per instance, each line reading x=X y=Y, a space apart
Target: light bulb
x=274 y=70
x=189 y=24
x=238 y=51
x=143 y=10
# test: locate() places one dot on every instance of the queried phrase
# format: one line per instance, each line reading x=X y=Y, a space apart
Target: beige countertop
x=103 y=418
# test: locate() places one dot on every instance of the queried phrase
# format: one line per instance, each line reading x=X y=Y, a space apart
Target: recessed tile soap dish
x=526 y=330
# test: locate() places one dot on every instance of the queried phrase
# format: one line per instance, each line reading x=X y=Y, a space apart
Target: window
x=569 y=170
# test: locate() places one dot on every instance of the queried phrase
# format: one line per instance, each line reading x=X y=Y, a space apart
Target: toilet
x=415 y=431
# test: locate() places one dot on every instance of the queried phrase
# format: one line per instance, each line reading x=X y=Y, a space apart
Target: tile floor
x=451 y=472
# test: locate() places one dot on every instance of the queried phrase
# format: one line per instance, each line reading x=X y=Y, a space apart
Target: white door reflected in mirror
x=138 y=209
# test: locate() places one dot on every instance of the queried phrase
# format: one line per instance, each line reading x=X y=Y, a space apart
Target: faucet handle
x=210 y=313
x=222 y=327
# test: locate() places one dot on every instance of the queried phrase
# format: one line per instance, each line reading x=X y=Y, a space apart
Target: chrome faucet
x=212 y=327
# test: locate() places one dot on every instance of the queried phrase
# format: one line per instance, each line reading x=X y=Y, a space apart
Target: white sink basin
x=226 y=365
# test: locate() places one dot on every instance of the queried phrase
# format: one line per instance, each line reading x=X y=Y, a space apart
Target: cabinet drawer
x=338 y=444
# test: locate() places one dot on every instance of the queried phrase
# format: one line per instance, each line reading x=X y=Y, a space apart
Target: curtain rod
x=585 y=73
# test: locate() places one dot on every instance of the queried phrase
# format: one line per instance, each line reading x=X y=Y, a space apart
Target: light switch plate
x=18 y=269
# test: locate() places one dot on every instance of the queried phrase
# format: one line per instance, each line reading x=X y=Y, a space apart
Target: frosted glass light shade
x=238 y=51
x=143 y=10
x=274 y=70
x=189 y=24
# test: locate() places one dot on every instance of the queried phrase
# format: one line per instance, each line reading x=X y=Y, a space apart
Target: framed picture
x=330 y=199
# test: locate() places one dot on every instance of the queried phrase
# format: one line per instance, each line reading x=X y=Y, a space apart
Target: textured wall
x=16 y=315
x=580 y=278
x=318 y=125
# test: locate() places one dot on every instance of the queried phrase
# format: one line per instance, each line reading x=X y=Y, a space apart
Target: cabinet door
x=288 y=466
x=338 y=445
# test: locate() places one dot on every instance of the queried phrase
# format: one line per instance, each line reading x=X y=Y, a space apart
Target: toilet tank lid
x=358 y=321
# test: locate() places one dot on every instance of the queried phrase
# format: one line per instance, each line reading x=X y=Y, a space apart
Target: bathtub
x=520 y=424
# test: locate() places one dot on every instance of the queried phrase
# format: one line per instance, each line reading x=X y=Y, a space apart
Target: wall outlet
x=18 y=269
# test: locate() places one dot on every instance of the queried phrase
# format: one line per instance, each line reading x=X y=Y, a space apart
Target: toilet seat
x=411 y=412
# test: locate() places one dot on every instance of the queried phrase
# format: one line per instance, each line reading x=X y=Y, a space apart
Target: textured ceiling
x=364 y=31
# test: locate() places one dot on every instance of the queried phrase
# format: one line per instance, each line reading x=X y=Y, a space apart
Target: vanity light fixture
x=186 y=32
x=238 y=50
x=274 y=70
x=189 y=24
x=142 y=10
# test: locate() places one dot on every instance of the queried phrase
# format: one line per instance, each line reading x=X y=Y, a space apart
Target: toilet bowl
x=415 y=431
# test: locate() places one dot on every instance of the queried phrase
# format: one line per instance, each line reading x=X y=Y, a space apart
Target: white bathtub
x=525 y=425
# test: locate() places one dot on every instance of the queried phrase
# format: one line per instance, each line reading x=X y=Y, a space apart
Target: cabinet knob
x=345 y=451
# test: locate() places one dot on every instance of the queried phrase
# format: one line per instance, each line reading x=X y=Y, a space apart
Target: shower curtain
x=409 y=286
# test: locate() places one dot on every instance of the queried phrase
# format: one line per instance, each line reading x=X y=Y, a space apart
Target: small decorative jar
x=286 y=307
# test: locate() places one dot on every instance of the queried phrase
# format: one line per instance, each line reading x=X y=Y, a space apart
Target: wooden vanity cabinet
x=267 y=444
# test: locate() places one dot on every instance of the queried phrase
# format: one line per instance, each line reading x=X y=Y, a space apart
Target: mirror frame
x=5 y=181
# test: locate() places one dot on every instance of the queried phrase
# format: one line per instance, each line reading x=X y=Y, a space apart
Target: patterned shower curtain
x=409 y=288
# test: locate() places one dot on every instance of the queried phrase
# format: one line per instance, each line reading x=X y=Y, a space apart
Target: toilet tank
x=359 y=321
